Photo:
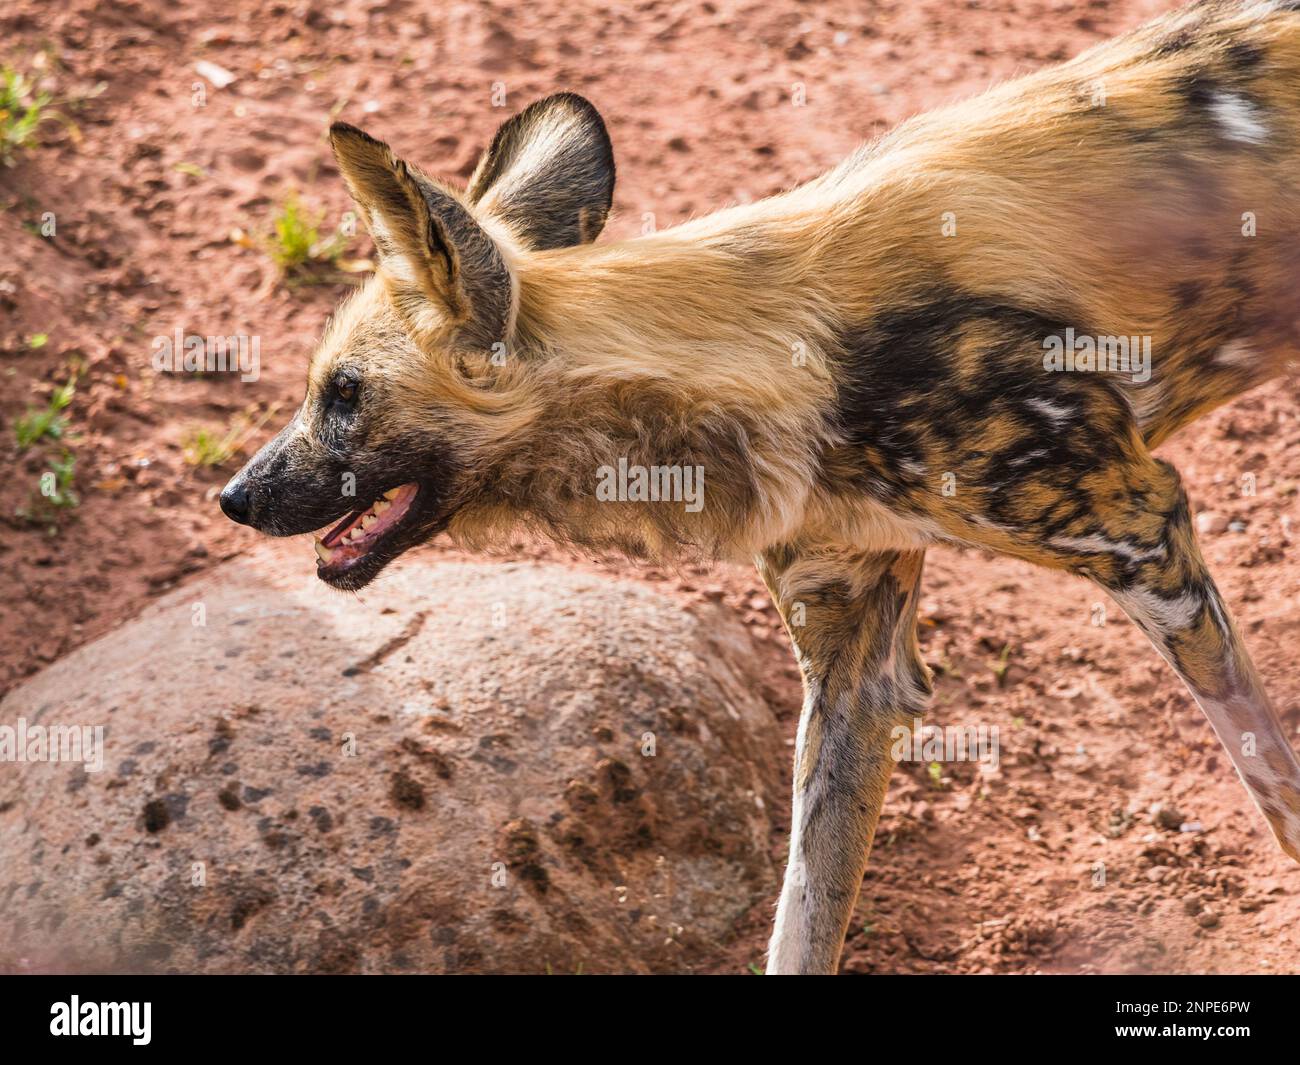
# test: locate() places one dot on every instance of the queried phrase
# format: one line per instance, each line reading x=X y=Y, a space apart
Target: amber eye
x=345 y=387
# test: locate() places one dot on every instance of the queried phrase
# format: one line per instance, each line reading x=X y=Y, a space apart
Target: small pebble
x=1169 y=817
x=1208 y=521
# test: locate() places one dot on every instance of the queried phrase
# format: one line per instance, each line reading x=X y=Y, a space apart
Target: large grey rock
x=442 y=774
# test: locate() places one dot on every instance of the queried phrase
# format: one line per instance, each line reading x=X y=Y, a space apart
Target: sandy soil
x=1071 y=857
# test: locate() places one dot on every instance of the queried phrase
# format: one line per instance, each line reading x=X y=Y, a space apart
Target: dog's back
x=1144 y=194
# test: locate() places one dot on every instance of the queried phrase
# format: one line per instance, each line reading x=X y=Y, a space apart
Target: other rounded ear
x=549 y=173
x=445 y=270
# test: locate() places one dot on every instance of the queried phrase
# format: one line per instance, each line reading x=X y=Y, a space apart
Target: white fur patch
x=1157 y=614
x=1028 y=457
x=1239 y=118
x=1054 y=413
x=792 y=928
x=1100 y=545
x=1262 y=9
x=1236 y=353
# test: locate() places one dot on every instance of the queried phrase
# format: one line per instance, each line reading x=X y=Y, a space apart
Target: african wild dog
x=860 y=365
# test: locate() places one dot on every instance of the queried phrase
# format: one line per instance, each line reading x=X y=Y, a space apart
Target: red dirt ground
x=970 y=874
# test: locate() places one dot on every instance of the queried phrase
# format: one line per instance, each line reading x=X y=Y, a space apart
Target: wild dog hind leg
x=1134 y=537
x=1169 y=593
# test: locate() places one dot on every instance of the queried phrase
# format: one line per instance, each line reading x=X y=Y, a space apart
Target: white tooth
x=369 y=521
x=355 y=534
x=380 y=507
x=324 y=552
x=391 y=493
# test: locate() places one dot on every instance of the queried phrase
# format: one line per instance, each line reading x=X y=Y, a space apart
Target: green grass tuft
x=296 y=245
x=208 y=448
x=53 y=494
x=22 y=110
x=38 y=423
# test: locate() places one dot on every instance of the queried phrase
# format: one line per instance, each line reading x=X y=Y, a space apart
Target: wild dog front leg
x=852 y=619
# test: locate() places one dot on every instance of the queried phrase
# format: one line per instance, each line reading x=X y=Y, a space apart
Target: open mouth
x=363 y=531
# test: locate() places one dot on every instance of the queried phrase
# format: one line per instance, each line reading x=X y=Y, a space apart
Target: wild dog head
x=398 y=427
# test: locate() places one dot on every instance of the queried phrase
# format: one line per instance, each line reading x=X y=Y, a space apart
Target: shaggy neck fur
x=687 y=348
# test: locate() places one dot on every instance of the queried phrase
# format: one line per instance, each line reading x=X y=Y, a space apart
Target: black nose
x=234 y=501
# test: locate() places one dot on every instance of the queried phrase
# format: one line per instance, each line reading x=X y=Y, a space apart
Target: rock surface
x=471 y=767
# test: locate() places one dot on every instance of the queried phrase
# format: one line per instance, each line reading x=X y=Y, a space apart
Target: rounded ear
x=445 y=271
x=549 y=174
